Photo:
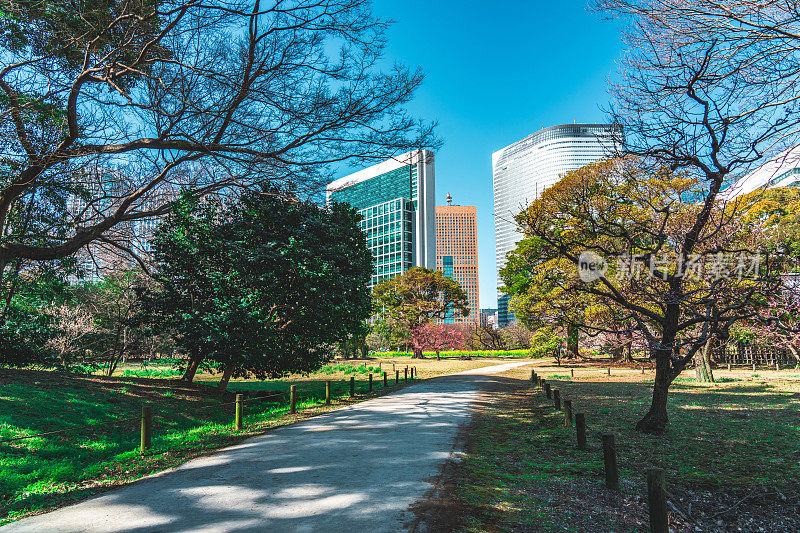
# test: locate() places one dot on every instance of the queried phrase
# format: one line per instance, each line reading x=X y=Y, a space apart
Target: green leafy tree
x=264 y=286
x=415 y=298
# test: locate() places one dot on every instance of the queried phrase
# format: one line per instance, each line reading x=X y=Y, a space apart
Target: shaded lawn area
x=730 y=454
x=44 y=472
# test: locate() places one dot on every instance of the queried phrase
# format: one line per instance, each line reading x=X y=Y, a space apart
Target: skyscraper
x=780 y=171
x=524 y=169
x=396 y=199
x=457 y=254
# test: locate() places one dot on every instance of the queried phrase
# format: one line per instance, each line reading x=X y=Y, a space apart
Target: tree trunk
x=572 y=340
x=112 y=365
x=226 y=377
x=191 y=368
x=655 y=421
x=702 y=359
x=417 y=354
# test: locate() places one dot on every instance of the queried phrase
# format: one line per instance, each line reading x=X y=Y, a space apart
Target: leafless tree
x=108 y=114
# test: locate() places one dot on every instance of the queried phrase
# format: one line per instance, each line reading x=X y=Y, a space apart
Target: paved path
x=353 y=470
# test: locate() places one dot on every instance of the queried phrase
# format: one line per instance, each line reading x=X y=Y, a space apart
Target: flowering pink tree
x=779 y=323
x=436 y=338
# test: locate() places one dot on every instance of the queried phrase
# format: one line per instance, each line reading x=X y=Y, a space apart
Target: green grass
x=40 y=472
x=729 y=436
x=43 y=472
x=152 y=373
x=350 y=369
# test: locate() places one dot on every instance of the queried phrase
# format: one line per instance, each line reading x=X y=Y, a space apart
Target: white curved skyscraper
x=521 y=171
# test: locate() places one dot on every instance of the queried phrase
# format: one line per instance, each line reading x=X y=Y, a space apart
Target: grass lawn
x=730 y=454
x=44 y=472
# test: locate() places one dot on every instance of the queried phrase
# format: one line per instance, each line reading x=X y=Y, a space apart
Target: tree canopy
x=415 y=298
x=263 y=286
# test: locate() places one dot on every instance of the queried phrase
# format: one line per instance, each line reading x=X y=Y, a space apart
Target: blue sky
x=497 y=71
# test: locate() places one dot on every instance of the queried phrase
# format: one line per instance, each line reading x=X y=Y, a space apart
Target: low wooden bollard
x=609 y=371
x=352 y=386
x=642 y=370
x=610 y=461
x=396 y=377
x=293 y=399
x=147 y=428
x=370 y=382
x=327 y=392
x=533 y=376
x=239 y=412
x=580 y=429
x=385 y=380
x=547 y=391
x=567 y=413
x=405 y=376
x=557 y=399
x=657 y=500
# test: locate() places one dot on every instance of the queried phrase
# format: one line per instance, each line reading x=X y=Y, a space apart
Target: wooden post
x=328 y=392
x=396 y=377
x=385 y=380
x=533 y=376
x=572 y=372
x=609 y=371
x=642 y=370
x=352 y=386
x=147 y=427
x=754 y=367
x=370 y=382
x=547 y=390
x=567 y=413
x=610 y=461
x=293 y=399
x=237 y=419
x=557 y=399
x=580 y=427
x=729 y=367
x=405 y=376
x=657 y=500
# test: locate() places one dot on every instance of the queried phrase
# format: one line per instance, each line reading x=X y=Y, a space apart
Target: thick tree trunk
x=702 y=359
x=226 y=377
x=655 y=421
x=417 y=354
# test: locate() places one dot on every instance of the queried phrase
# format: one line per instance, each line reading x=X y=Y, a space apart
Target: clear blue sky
x=497 y=71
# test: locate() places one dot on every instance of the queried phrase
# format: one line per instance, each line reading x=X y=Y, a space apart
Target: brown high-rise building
x=457 y=254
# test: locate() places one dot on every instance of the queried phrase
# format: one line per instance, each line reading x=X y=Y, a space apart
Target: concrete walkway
x=353 y=470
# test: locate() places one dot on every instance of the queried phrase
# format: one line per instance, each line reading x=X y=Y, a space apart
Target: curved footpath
x=354 y=469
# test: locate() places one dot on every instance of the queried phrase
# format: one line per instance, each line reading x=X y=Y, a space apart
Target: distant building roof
x=782 y=171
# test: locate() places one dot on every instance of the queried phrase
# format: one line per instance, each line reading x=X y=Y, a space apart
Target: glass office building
x=521 y=171
x=396 y=200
